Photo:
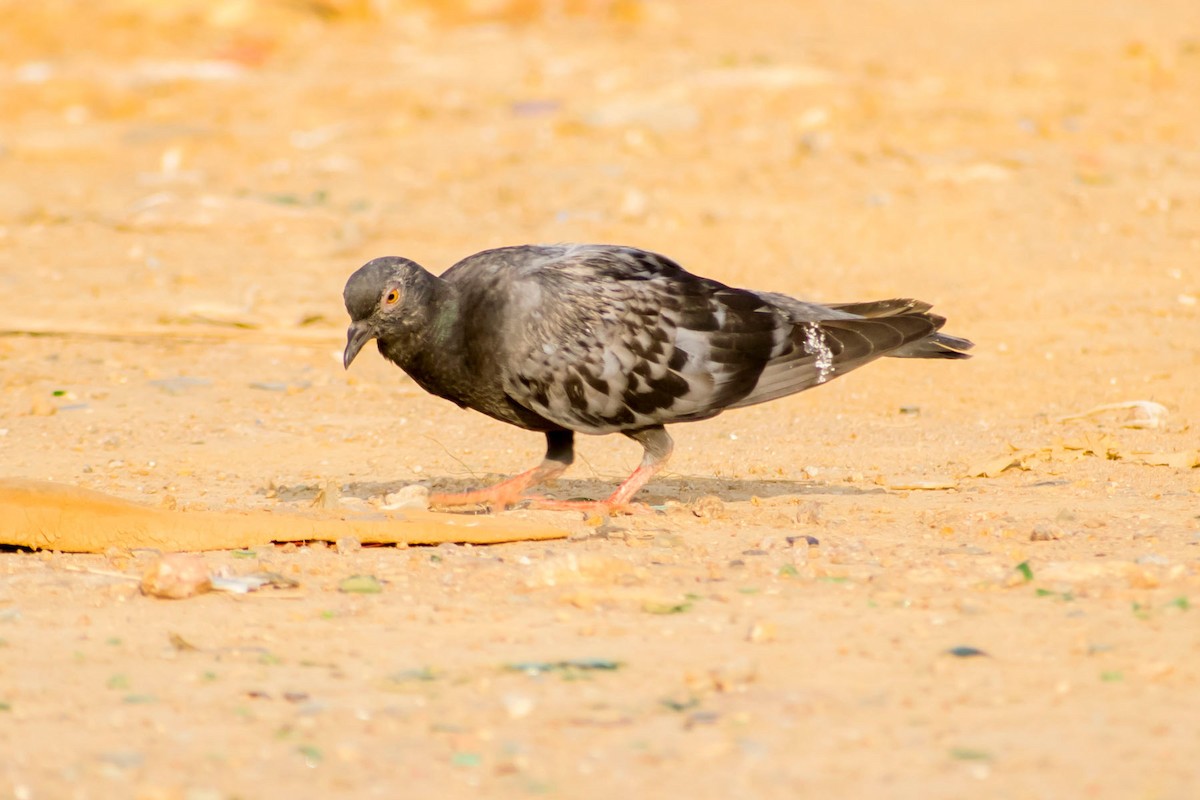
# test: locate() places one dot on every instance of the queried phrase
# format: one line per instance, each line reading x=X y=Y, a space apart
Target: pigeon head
x=383 y=296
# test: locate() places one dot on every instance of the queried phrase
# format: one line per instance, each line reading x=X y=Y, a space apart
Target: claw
x=509 y=493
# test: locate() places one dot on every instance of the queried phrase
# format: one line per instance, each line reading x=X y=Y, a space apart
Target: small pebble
x=517 y=705
x=347 y=545
x=412 y=496
x=181 y=384
x=701 y=718
x=709 y=507
x=42 y=407
x=327 y=498
x=1045 y=532
x=810 y=512
x=176 y=576
x=760 y=632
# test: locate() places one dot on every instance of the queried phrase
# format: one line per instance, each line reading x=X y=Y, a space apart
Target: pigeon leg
x=658 y=445
x=560 y=452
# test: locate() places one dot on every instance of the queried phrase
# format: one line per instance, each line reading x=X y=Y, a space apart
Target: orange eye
x=391 y=297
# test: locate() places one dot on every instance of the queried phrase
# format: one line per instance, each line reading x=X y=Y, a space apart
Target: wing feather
x=606 y=339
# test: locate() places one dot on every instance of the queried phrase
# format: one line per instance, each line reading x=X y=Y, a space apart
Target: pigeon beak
x=359 y=334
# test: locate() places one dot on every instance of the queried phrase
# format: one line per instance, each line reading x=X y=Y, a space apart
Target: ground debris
x=965 y=651
x=176 y=576
x=709 y=507
x=994 y=466
x=360 y=584
x=1140 y=413
x=566 y=667
x=411 y=496
x=1090 y=444
x=328 y=496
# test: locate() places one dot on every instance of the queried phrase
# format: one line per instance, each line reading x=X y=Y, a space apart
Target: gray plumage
x=602 y=339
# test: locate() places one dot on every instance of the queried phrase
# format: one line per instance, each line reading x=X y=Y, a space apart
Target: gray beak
x=359 y=334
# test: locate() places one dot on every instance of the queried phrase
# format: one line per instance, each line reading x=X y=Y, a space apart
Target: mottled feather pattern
x=602 y=339
x=611 y=339
x=624 y=339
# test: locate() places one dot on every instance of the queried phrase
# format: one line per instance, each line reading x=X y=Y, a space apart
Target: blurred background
x=236 y=159
x=185 y=186
x=1030 y=168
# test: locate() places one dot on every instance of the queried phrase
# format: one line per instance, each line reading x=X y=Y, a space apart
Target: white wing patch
x=815 y=345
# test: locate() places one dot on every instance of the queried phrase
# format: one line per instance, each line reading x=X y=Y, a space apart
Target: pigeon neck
x=444 y=326
x=426 y=346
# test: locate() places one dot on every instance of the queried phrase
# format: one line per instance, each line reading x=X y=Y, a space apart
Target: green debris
x=963 y=651
x=659 y=607
x=1025 y=570
x=242 y=553
x=568 y=667
x=1112 y=676
x=360 y=584
x=680 y=705
x=789 y=571
x=423 y=674
x=311 y=753
x=117 y=681
x=318 y=198
x=465 y=759
x=1181 y=602
x=969 y=754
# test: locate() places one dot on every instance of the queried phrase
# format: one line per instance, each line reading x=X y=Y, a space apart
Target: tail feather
x=829 y=341
x=873 y=309
x=940 y=345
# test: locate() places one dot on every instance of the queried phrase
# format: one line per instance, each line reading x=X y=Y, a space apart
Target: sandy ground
x=185 y=186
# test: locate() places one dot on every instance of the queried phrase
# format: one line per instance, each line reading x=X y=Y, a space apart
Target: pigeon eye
x=391 y=297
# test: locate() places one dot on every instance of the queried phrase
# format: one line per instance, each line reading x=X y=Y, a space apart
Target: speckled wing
x=615 y=339
x=822 y=349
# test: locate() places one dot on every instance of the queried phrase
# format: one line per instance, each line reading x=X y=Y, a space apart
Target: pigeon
x=597 y=339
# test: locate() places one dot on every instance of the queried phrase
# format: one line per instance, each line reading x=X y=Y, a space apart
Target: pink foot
x=494 y=500
x=497 y=498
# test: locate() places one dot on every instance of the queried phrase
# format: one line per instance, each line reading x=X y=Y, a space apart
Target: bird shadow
x=678 y=489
